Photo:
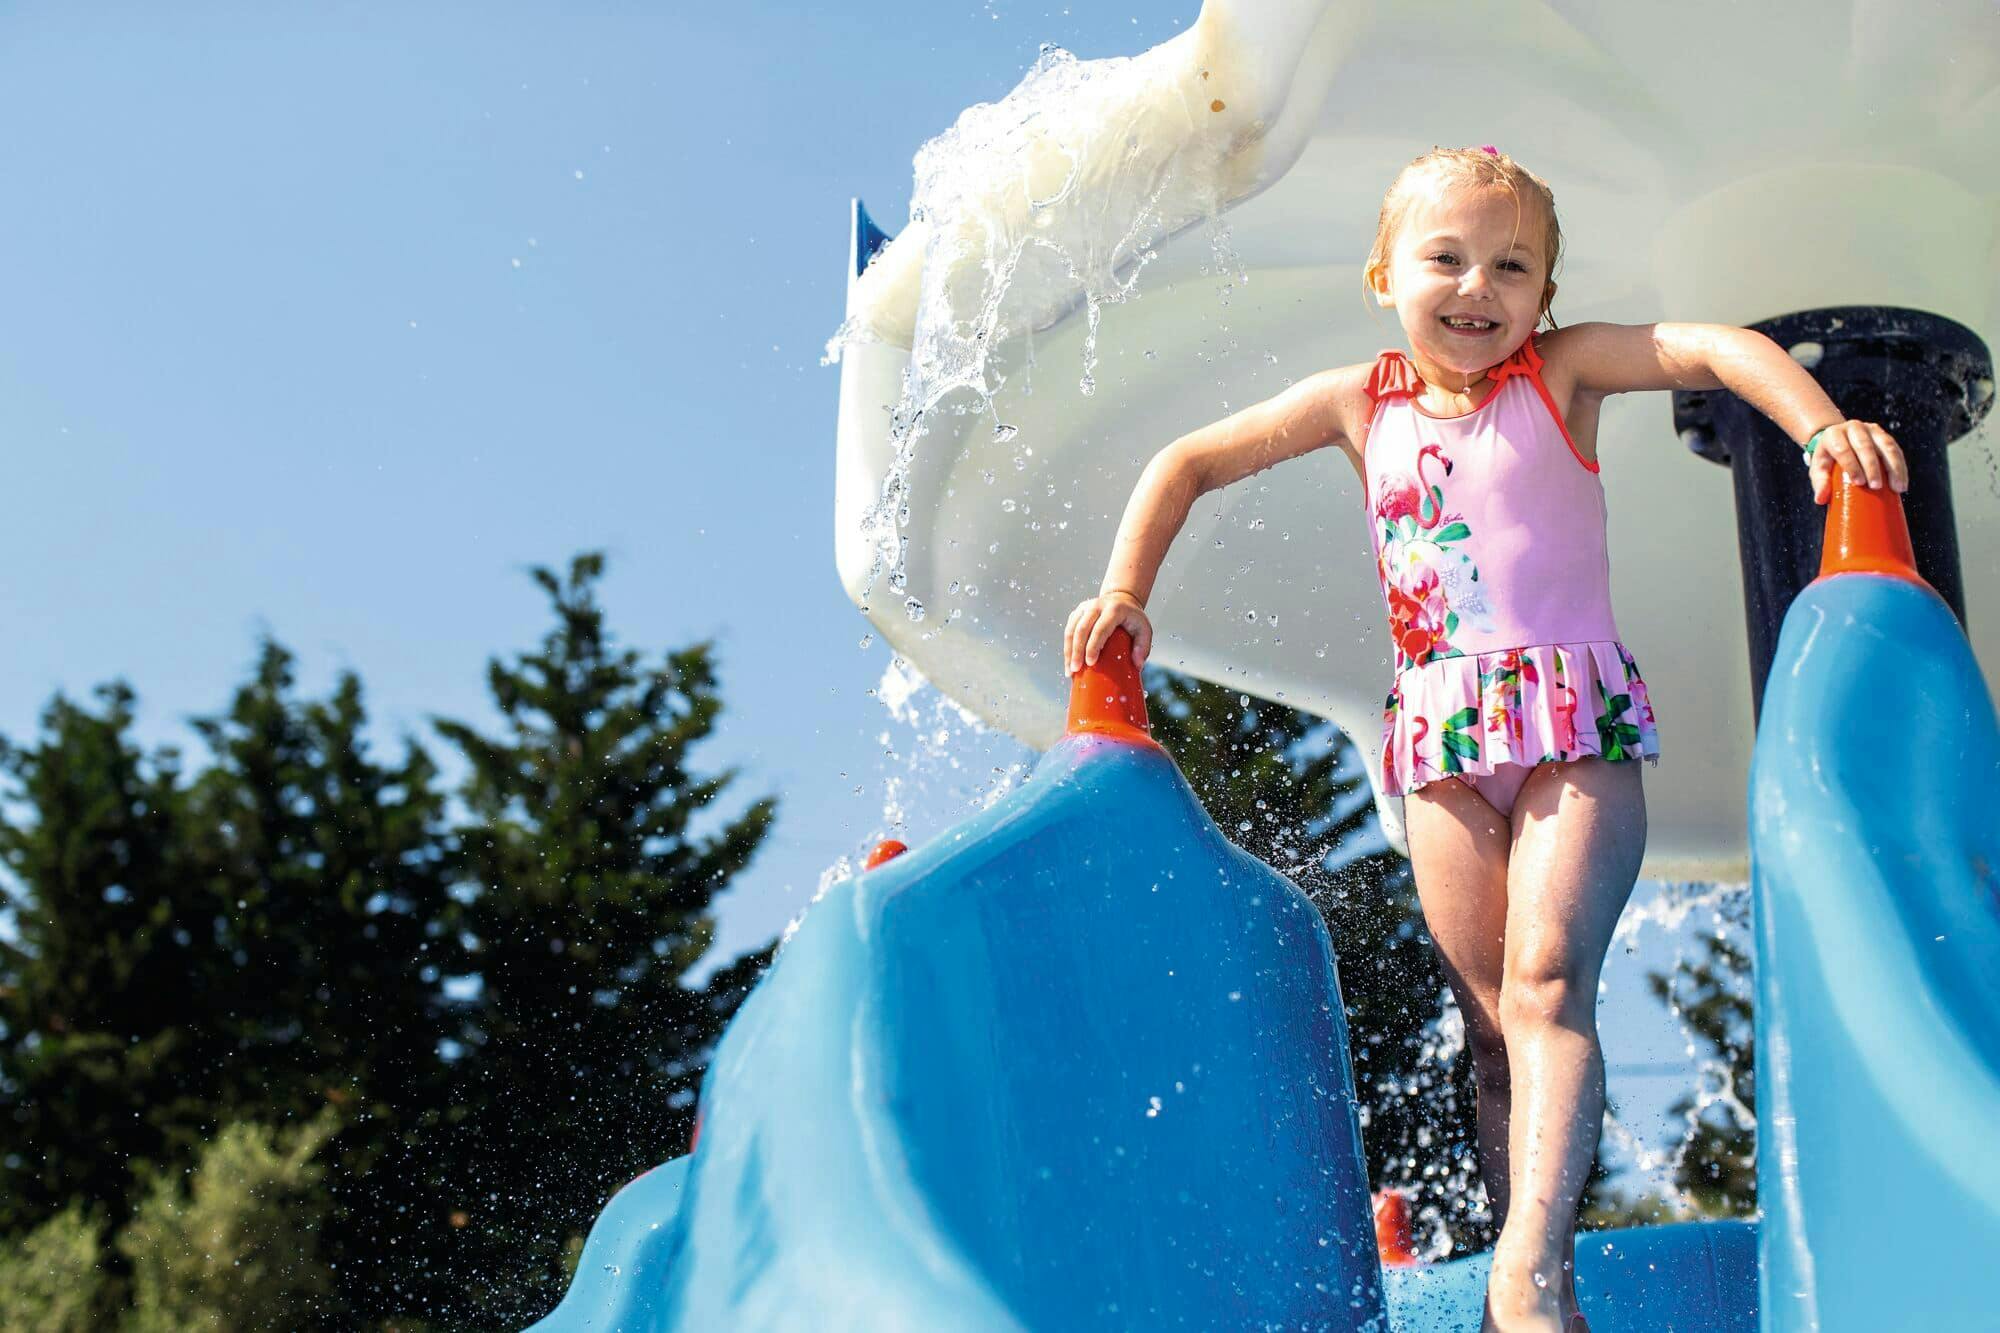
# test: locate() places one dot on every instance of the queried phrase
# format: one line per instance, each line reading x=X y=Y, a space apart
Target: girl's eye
x=1516 y=265
x=1444 y=258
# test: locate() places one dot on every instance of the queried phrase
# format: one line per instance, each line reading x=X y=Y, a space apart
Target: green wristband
x=1813 y=442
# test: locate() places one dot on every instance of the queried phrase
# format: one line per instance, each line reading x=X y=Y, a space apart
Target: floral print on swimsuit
x=1558 y=701
x=1430 y=582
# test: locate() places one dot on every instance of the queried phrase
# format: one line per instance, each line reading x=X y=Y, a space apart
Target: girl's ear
x=1378 y=282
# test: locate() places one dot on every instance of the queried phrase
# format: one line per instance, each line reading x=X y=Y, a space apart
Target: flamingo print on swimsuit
x=1430 y=586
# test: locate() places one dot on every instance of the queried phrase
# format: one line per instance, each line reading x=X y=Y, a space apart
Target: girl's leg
x=1458 y=854
x=1579 y=834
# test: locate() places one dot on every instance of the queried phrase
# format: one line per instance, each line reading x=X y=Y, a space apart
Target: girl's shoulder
x=1575 y=356
x=1351 y=391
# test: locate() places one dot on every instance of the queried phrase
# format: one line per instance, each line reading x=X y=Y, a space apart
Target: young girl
x=1515 y=712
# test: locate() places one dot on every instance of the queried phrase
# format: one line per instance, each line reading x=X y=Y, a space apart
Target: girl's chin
x=1465 y=355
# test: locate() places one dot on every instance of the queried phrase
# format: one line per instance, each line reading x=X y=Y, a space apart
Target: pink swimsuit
x=1489 y=534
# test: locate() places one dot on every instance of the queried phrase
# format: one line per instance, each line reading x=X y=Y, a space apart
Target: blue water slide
x=1078 y=1062
x=1876 y=862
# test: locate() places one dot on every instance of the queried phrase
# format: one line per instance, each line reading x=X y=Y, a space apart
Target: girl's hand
x=1867 y=452
x=1092 y=623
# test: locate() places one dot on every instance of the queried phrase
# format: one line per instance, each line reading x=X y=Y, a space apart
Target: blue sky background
x=329 y=322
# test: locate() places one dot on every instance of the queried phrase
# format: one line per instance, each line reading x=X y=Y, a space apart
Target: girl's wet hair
x=1443 y=168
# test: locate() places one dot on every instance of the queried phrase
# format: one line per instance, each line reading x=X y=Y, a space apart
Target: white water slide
x=1060 y=307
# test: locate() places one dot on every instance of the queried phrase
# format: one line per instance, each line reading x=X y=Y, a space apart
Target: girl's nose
x=1473 y=281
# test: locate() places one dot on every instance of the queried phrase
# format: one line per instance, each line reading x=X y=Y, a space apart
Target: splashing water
x=1431 y=1173
x=1690 y=914
x=941 y=746
x=1056 y=195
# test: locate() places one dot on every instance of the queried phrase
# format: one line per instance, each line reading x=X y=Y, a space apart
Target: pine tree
x=331 y=868
x=1289 y=789
x=252 y=944
x=588 y=894
x=105 y=991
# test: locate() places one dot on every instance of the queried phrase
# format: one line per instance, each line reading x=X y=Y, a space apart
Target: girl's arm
x=1603 y=359
x=1311 y=414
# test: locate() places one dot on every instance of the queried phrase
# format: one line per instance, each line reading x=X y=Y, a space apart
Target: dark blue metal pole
x=1923 y=378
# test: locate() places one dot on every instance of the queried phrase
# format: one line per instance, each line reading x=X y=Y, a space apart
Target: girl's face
x=1466 y=277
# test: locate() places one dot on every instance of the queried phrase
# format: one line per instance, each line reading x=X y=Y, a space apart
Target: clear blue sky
x=330 y=321
x=333 y=320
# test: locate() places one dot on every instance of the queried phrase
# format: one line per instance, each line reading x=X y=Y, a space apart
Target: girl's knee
x=1544 y=998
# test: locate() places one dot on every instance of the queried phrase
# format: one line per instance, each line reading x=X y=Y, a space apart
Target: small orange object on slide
x=1109 y=699
x=1392 y=1229
x=886 y=850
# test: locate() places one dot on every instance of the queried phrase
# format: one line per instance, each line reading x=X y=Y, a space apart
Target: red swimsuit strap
x=1524 y=361
x=1395 y=374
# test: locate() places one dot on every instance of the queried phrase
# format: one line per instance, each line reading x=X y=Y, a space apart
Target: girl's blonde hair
x=1442 y=168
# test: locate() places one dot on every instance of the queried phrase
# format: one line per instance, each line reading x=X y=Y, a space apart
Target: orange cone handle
x=1109 y=698
x=1392 y=1229
x=1866 y=533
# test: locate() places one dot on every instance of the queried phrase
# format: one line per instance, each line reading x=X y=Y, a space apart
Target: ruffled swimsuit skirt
x=1489 y=537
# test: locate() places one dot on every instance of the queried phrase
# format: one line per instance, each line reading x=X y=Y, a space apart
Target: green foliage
x=237 y=1248
x=1714 y=995
x=273 y=935
x=331 y=868
x=52 y=1279
x=1289 y=789
x=104 y=1038
x=587 y=892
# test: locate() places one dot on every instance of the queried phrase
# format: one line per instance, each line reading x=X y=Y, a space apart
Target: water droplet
x=913 y=608
x=1152 y=1107
x=1003 y=433
x=866 y=640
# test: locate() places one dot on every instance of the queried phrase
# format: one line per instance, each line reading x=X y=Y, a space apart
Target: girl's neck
x=1456 y=388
